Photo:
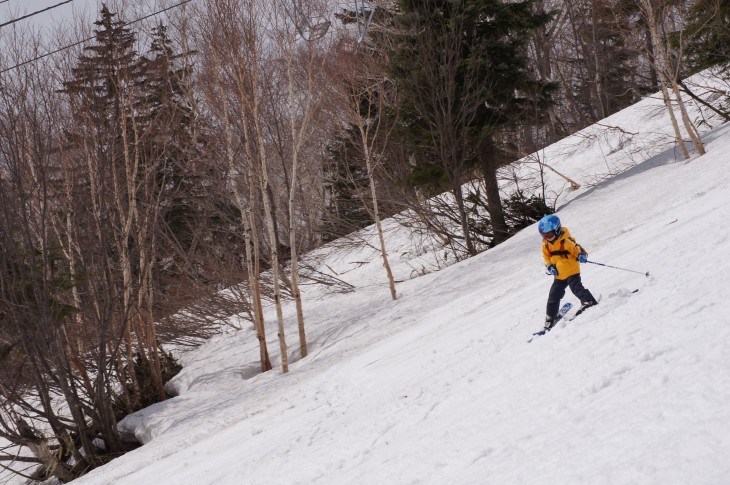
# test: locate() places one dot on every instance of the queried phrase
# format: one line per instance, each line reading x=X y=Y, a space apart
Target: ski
x=563 y=311
x=580 y=310
x=567 y=306
x=600 y=297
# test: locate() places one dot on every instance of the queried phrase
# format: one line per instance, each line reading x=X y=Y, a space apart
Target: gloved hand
x=582 y=258
x=551 y=269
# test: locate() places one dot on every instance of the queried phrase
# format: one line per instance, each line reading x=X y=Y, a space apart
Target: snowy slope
x=441 y=386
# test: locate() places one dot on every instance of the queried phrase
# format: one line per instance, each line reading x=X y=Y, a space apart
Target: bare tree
x=362 y=86
x=655 y=12
x=223 y=93
x=83 y=185
x=236 y=33
x=40 y=307
x=303 y=55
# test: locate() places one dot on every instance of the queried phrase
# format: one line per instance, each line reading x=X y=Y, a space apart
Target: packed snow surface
x=442 y=387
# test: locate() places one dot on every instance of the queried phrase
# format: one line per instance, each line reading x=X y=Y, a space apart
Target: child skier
x=562 y=256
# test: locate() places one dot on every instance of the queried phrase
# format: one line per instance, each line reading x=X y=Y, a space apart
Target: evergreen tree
x=609 y=86
x=463 y=65
x=708 y=34
x=346 y=185
x=110 y=204
x=105 y=74
x=706 y=44
x=197 y=212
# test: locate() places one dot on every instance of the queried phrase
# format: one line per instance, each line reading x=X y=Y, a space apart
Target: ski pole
x=616 y=267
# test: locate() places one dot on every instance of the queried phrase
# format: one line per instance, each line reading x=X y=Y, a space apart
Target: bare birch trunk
x=247 y=78
x=256 y=245
x=688 y=125
x=271 y=229
x=297 y=137
x=359 y=89
x=251 y=79
x=673 y=116
x=258 y=303
x=70 y=250
x=255 y=288
x=364 y=129
x=143 y=186
x=125 y=191
x=376 y=214
x=661 y=63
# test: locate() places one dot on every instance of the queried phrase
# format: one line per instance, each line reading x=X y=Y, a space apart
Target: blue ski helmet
x=549 y=223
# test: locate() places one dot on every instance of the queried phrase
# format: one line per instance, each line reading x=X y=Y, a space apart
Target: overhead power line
x=61 y=49
x=34 y=13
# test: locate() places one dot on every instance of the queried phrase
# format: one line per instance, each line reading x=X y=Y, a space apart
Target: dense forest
x=160 y=173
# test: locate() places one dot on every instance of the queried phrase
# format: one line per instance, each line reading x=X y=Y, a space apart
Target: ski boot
x=586 y=305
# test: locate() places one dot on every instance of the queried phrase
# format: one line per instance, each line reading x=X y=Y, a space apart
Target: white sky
x=66 y=24
x=59 y=21
x=441 y=385
x=61 y=16
x=14 y=9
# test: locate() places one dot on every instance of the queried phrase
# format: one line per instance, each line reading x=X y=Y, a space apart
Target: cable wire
x=89 y=38
x=34 y=13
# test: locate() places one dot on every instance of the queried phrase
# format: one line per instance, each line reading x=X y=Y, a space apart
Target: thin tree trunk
x=251 y=271
x=675 y=125
x=70 y=250
x=491 y=187
x=653 y=76
x=376 y=210
x=269 y=217
x=456 y=189
x=368 y=127
x=688 y=125
x=255 y=240
x=258 y=304
x=248 y=69
x=659 y=62
x=601 y=95
x=297 y=136
x=724 y=114
x=253 y=126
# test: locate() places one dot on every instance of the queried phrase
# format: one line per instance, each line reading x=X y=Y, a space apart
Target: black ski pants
x=557 y=292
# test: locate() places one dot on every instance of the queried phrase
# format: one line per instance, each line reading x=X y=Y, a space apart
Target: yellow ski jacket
x=563 y=253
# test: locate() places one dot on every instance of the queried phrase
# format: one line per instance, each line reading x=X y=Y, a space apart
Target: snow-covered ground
x=442 y=387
